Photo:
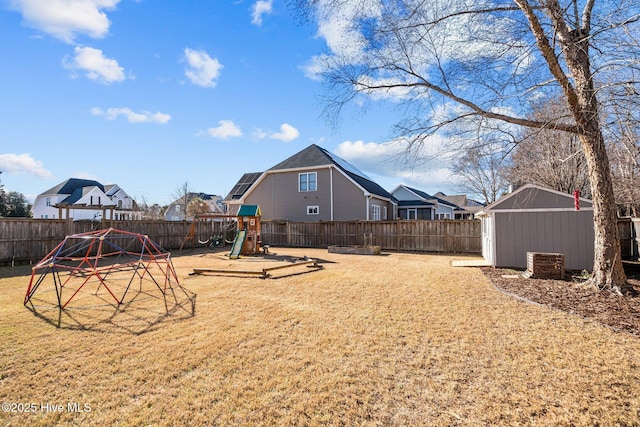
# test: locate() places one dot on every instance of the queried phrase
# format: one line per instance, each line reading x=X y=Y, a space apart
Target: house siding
x=279 y=198
x=349 y=202
x=569 y=233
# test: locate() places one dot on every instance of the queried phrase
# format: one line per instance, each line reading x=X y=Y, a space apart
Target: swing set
x=222 y=231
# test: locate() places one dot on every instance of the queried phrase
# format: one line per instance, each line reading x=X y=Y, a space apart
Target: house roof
x=461 y=201
x=415 y=203
x=73 y=184
x=315 y=155
x=242 y=185
x=429 y=198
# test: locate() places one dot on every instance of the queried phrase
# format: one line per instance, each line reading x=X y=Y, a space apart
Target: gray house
x=537 y=219
x=416 y=204
x=313 y=185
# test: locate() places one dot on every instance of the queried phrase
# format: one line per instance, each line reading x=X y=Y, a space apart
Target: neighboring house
x=537 y=219
x=465 y=208
x=313 y=185
x=416 y=204
x=176 y=210
x=85 y=199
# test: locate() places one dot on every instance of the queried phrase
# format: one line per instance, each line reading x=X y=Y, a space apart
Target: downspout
x=368 y=199
x=331 y=192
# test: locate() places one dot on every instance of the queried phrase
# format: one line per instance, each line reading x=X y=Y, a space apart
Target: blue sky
x=149 y=94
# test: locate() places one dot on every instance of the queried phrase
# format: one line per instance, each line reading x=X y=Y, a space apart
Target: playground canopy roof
x=249 y=210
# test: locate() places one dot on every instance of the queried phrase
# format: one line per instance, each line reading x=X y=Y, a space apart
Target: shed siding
x=569 y=233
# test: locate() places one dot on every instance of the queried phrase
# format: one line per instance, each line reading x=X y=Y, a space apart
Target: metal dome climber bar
x=108 y=262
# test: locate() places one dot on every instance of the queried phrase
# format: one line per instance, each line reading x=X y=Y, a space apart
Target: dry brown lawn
x=397 y=339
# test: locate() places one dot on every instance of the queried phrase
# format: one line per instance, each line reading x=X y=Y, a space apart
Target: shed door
x=488 y=250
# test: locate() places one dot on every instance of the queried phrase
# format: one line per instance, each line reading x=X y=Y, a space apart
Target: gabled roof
x=111 y=189
x=461 y=201
x=315 y=155
x=427 y=197
x=242 y=185
x=531 y=197
x=204 y=196
x=73 y=184
x=415 y=203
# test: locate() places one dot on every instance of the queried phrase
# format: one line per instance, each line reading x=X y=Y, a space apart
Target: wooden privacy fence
x=451 y=236
x=29 y=240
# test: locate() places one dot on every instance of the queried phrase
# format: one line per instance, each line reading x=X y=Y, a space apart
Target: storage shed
x=538 y=219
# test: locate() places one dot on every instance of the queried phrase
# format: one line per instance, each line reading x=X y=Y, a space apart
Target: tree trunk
x=608 y=272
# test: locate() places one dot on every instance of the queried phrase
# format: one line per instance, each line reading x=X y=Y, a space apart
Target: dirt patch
x=621 y=313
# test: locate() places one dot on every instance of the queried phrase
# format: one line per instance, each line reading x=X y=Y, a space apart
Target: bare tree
x=183 y=195
x=549 y=157
x=197 y=206
x=479 y=171
x=623 y=137
x=476 y=65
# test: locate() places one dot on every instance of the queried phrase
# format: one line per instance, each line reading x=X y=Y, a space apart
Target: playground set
x=104 y=267
x=248 y=242
x=245 y=224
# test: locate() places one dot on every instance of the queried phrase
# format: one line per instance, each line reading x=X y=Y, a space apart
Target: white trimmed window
x=308 y=181
x=443 y=216
x=313 y=210
x=375 y=212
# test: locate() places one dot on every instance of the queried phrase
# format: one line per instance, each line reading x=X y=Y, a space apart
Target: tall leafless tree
x=623 y=138
x=548 y=157
x=479 y=64
x=479 y=171
x=183 y=196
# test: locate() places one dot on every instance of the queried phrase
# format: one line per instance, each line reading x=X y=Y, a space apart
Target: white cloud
x=203 y=70
x=287 y=133
x=386 y=160
x=260 y=134
x=260 y=8
x=374 y=157
x=226 y=129
x=132 y=116
x=16 y=164
x=65 y=19
x=95 y=65
x=337 y=28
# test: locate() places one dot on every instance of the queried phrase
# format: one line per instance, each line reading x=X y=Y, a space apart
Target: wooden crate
x=545 y=265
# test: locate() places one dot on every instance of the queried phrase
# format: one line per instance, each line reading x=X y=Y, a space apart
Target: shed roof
x=531 y=197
